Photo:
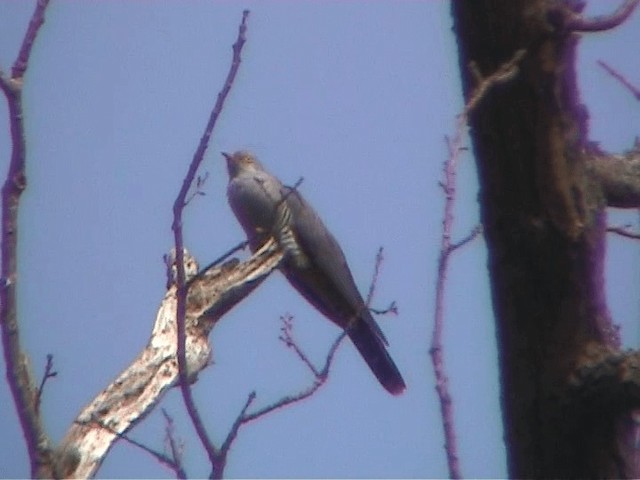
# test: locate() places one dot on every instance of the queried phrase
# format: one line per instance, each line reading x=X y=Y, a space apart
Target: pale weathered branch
x=141 y=386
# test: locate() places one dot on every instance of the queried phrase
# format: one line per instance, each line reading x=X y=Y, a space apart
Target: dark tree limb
x=578 y=23
x=624 y=232
x=635 y=91
x=607 y=382
x=178 y=208
x=19 y=377
x=543 y=211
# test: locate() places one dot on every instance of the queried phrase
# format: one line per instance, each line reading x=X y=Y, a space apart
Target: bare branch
x=37 y=20
x=623 y=232
x=19 y=378
x=290 y=190
x=287 y=338
x=376 y=273
x=454 y=146
x=178 y=241
x=201 y=180
x=236 y=424
x=469 y=238
x=392 y=308
x=140 y=387
x=218 y=468
x=320 y=378
x=621 y=78
x=174 y=448
x=223 y=257
x=160 y=457
x=505 y=72
x=578 y=23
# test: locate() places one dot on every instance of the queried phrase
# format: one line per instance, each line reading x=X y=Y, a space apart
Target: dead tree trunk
x=567 y=389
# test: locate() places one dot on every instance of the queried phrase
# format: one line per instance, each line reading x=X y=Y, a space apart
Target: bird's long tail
x=374 y=352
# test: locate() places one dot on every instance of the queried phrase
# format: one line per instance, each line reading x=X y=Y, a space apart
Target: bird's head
x=241 y=161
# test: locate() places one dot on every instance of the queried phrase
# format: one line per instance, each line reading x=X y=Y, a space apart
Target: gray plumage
x=314 y=262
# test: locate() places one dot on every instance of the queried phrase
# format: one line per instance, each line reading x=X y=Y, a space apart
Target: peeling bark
x=141 y=386
x=619 y=178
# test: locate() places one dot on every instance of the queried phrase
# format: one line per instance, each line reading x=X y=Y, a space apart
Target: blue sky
x=354 y=97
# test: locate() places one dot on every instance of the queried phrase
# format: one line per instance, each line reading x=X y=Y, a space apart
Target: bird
x=314 y=263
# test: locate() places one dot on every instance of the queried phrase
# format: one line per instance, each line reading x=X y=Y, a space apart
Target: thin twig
x=287 y=338
x=578 y=23
x=320 y=376
x=160 y=457
x=238 y=421
x=178 y=208
x=376 y=273
x=220 y=259
x=290 y=190
x=198 y=191
x=618 y=76
x=176 y=451
x=392 y=308
x=454 y=146
x=320 y=379
x=48 y=373
x=622 y=231
x=469 y=238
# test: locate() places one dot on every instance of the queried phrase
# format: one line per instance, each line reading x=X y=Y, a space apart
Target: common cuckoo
x=314 y=262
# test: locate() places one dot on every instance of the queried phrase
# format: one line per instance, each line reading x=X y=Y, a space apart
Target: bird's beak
x=232 y=168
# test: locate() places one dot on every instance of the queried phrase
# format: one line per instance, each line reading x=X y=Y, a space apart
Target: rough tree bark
x=567 y=389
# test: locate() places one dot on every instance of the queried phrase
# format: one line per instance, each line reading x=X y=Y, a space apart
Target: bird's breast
x=254 y=207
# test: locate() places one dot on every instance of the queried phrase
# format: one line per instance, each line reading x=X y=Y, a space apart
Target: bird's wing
x=323 y=250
